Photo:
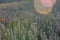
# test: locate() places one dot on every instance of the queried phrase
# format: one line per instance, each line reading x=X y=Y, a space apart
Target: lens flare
x=48 y=3
x=43 y=8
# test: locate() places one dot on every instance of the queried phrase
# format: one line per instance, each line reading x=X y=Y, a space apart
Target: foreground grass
x=24 y=29
x=20 y=30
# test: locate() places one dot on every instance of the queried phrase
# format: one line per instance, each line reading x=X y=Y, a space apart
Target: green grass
x=21 y=30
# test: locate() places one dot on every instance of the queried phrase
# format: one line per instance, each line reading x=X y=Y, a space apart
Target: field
x=20 y=21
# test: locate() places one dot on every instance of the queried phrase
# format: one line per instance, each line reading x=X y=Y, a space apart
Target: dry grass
x=12 y=4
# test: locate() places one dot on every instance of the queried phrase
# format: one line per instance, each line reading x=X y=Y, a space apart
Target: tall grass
x=21 y=29
x=24 y=29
